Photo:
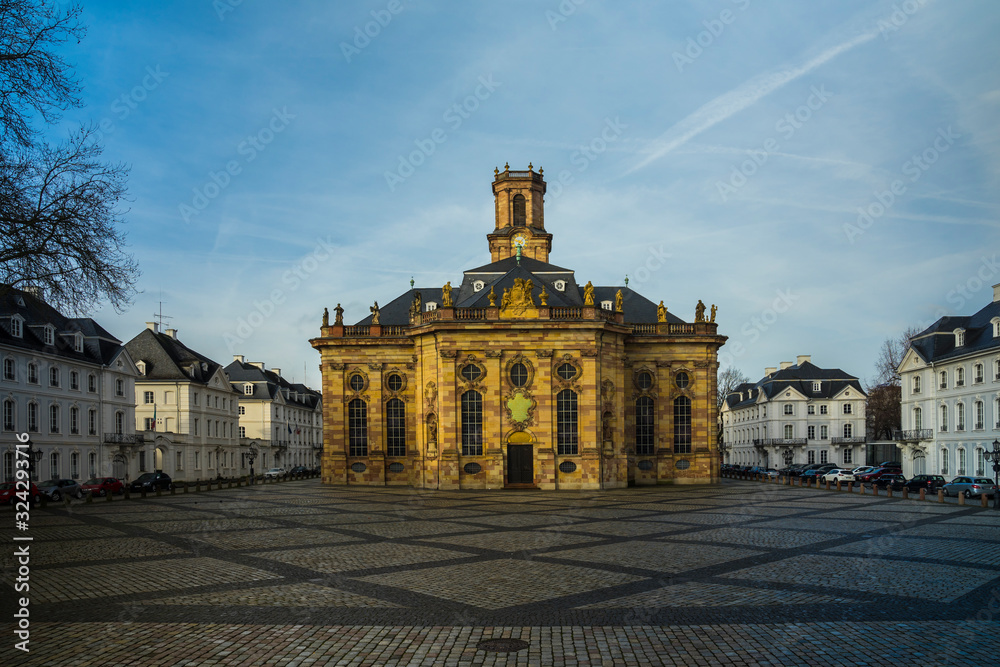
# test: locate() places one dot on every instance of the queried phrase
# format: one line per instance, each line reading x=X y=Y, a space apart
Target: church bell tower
x=520 y=215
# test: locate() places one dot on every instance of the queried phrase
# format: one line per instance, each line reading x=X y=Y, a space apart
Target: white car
x=839 y=474
x=275 y=473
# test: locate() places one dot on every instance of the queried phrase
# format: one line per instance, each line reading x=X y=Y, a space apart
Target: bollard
x=108 y=496
x=940 y=495
x=185 y=486
x=157 y=492
x=850 y=487
x=838 y=485
x=906 y=493
x=874 y=489
x=982 y=500
x=173 y=488
x=142 y=492
x=861 y=490
x=127 y=495
x=888 y=491
x=961 y=499
x=45 y=500
x=828 y=485
x=90 y=497
x=923 y=494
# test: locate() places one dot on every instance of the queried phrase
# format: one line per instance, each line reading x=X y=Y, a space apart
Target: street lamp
x=994 y=457
x=788 y=457
x=34 y=456
x=251 y=457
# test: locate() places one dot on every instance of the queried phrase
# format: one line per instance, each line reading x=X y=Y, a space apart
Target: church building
x=519 y=376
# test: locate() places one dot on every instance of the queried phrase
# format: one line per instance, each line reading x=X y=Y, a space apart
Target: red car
x=8 y=493
x=102 y=486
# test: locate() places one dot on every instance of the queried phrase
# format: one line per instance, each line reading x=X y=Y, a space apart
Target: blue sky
x=825 y=172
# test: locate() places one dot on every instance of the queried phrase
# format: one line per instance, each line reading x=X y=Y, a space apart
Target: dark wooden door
x=520 y=469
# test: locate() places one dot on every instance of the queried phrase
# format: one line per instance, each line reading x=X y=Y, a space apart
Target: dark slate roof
x=937 y=342
x=169 y=359
x=501 y=275
x=268 y=384
x=800 y=378
x=99 y=346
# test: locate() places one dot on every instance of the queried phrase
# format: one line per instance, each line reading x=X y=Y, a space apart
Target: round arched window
x=518 y=375
x=471 y=372
x=644 y=379
x=395 y=382
x=357 y=382
x=682 y=380
x=566 y=371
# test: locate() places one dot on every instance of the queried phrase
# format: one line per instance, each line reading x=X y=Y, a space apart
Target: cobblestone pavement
x=297 y=573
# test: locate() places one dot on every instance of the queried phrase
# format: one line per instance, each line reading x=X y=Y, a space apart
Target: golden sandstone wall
x=608 y=354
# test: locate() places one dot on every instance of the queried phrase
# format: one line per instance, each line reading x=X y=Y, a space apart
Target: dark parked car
x=150 y=481
x=894 y=481
x=55 y=489
x=869 y=477
x=930 y=482
x=298 y=470
x=102 y=486
x=9 y=493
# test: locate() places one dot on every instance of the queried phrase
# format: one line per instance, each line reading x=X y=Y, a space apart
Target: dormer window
x=959 y=337
x=816 y=386
x=560 y=285
x=478 y=285
x=49 y=334
x=248 y=389
x=431 y=305
x=16 y=328
x=607 y=305
x=78 y=342
x=141 y=365
x=996 y=327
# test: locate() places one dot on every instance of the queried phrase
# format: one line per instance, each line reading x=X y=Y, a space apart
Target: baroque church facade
x=520 y=377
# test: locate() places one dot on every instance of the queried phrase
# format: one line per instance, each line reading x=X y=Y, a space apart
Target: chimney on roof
x=238 y=357
x=786 y=364
x=769 y=371
x=276 y=371
x=996 y=293
x=172 y=333
x=35 y=291
x=257 y=364
x=152 y=326
x=803 y=358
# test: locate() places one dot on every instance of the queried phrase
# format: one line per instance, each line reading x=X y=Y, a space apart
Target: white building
x=798 y=413
x=66 y=382
x=185 y=409
x=282 y=421
x=950 y=412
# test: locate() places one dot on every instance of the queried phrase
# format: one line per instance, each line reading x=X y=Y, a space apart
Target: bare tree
x=728 y=380
x=60 y=206
x=891 y=356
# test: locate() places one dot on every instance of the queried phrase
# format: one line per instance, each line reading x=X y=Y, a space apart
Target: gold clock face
x=520 y=240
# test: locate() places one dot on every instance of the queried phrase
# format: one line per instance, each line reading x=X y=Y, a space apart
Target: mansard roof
x=799 y=378
x=268 y=385
x=167 y=358
x=99 y=346
x=936 y=343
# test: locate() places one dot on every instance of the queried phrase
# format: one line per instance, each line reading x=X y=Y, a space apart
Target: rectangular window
x=8 y=418
x=179 y=464
x=142 y=460
x=472 y=423
x=566 y=422
x=15 y=327
x=961 y=462
x=980 y=415
x=822 y=409
x=811 y=457
x=243 y=410
x=848 y=456
x=960 y=417
x=645 y=443
x=195 y=429
x=8 y=369
x=811 y=430
x=119 y=387
x=789 y=432
x=74 y=380
x=74 y=465
x=93 y=422
x=822 y=456
x=811 y=410
x=92 y=384
x=824 y=432
x=848 y=409
x=395 y=428
x=54 y=466
x=197 y=460
x=53 y=377
x=788 y=409
x=243 y=431
x=979 y=374
x=944 y=461
x=147 y=397
x=682 y=425
x=150 y=424
x=8 y=465
x=816 y=386
x=32 y=374
x=357 y=427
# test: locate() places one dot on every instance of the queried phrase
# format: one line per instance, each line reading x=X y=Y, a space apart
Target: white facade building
x=66 y=382
x=950 y=412
x=798 y=413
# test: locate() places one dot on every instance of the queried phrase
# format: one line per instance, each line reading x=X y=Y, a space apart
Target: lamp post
x=788 y=457
x=994 y=457
x=251 y=457
x=34 y=456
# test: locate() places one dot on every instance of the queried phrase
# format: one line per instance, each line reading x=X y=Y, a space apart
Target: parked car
x=9 y=493
x=839 y=475
x=970 y=486
x=930 y=482
x=860 y=470
x=813 y=474
x=890 y=464
x=150 y=481
x=102 y=486
x=55 y=489
x=275 y=473
x=893 y=481
x=298 y=470
x=869 y=477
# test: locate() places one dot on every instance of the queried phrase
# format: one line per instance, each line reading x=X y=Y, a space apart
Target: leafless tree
x=60 y=206
x=890 y=356
x=729 y=378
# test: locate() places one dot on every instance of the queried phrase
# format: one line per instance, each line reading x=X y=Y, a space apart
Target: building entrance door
x=520 y=468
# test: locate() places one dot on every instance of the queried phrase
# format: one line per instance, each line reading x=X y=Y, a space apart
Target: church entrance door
x=520 y=468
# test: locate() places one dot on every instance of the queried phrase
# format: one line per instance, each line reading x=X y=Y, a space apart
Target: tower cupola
x=520 y=215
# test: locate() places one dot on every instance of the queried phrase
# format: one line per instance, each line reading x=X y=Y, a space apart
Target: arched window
x=916 y=384
x=92 y=457
x=918 y=419
x=961 y=461
x=357 y=427
x=960 y=417
x=944 y=418
x=645 y=442
x=54 y=465
x=8 y=466
x=472 y=423
x=520 y=212
x=944 y=461
x=54 y=419
x=682 y=425
x=789 y=432
x=120 y=422
x=980 y=416
x=395 y=427
x=74 y=420
x=9 y=424
x=566 y=422
x=848 y=431
x=33 y=417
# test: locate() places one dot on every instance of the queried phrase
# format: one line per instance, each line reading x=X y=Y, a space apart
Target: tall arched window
x=54 y=465
x=520 y=213
x=9 y=423
x=54 y=419
x=566 y=422
x=682 y=425
x=8 y=466
x=918 y=419
x=33 y=417
x=357 y=427
x=960 y=417
x=472 y=423
x=645 y=442
x=944 y=418
x=395 y=427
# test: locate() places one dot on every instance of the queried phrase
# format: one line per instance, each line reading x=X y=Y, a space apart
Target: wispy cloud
x=738 y=99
